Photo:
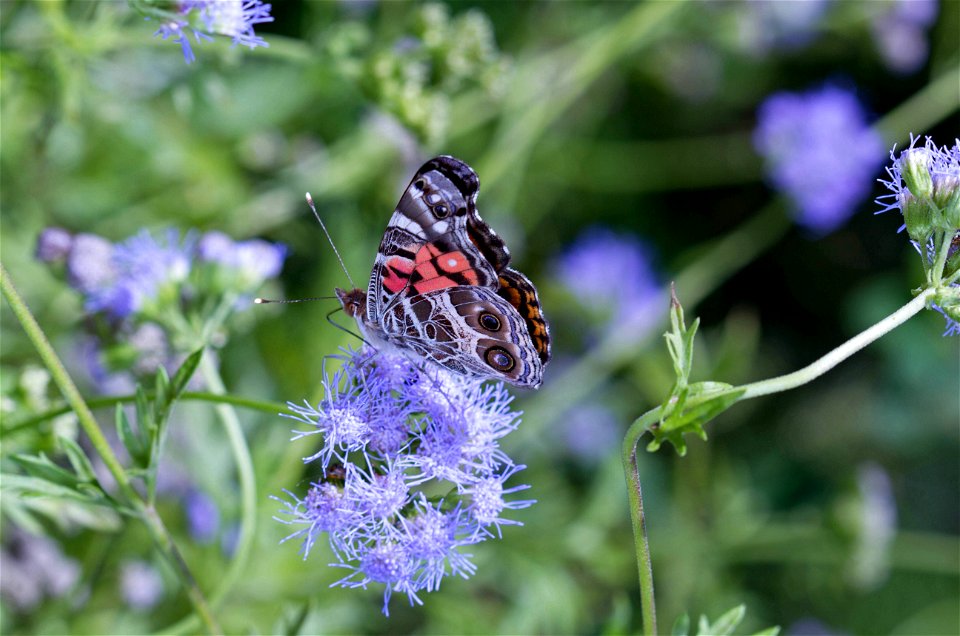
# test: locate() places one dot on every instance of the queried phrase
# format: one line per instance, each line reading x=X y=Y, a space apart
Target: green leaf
x=79 y=460
x=145 y=413
x=184 y=373
x=162 y=388
x=681 y=626
x=134 y=441
x=724 y=625
x=39 y=487
x=42 y=468
x=680 y=421
x=770 y=631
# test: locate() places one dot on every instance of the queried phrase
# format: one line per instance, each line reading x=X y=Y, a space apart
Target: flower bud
x=915 y=169
x=918 y=216
x=946 y=195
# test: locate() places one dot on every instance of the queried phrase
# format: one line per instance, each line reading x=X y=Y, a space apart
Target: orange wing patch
x=435 y=269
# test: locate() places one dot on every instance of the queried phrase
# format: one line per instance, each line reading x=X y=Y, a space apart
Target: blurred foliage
x=635 y=117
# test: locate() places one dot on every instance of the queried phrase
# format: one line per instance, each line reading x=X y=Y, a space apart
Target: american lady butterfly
x=441 y=287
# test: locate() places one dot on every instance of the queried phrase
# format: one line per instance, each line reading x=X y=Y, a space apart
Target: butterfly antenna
x=266 y=301
x=335 y=251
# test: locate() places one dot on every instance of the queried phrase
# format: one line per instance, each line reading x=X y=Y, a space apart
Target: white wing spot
x=452 y=262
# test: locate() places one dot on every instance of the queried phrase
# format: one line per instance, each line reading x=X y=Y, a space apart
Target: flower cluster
x=592 y=269
x=204 y=18
x=820 y=152
x=899 y=30
x=924 y=182
x=155 y=299
x=410 y=470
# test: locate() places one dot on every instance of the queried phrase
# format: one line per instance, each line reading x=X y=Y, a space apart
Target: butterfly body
x=441 y=287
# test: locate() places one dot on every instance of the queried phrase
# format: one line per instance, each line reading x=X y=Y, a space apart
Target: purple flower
x=900 y=33
x=394 y=435
x=53 y=245
x=775 y=24
x=591 y=432
x=140 y=585
x=252 y=261
x=33 y=567
x=924 y=184
x=203 y=516
x=90 y=263
x=612 y=272
x=820 y=152
x=204 y=18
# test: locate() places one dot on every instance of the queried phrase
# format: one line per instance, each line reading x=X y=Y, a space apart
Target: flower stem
x=838 y=355
x=641 y=544
x=248 y=493
x=147 y=514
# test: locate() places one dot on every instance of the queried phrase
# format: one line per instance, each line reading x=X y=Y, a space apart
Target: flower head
x=924 y=184
x=204 y=18
x=392 y=433
x=592 y=269
x=820 y=152
x=153 y=296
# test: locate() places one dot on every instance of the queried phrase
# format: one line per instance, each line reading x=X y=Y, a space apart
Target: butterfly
x=441 y=287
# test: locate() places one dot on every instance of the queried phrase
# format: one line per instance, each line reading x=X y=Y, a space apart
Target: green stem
x=716 y=261
x=936 y=272
x=640 y=541
x=248 y=493
x=838 y=355
x=70 y=392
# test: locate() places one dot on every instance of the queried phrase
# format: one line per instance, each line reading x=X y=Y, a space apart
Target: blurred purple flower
x=372 y=500
x=136 y=271
x=613 y=272
x=33 y=567
x=820 y=152
x=203 y=516
x=900 y=33
x=90 y=263
x=140 y=585
x=878 y=526
x=233 y=18
x=53 y=245
x=776 y=24
x=254 y=261
x=591 y=432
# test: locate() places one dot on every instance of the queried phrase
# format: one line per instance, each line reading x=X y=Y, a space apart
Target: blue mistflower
x=160 y=295
x=924 y=181
x=394 y=435
x=820 y=152
x=204 y=18
x=593 y=270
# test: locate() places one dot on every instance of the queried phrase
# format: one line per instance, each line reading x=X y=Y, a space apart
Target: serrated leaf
x=135 y=443
x=41 y=467
x=79 y=460
x=681 y=626
x=724 y=625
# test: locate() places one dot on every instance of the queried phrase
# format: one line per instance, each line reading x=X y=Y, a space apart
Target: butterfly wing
x=469 y=330
x=441 y=285
x=426 y=245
